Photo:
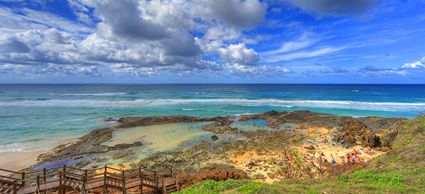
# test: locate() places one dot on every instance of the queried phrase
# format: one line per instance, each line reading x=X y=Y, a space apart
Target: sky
x=212 y=41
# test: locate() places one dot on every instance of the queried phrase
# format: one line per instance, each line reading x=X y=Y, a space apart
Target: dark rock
x=214 y=137
x=125 y=146
x=381 y=123
x=79 y=157
x=178 y=160
x=109 y=119
x=271 y=113
x=309 y=147
x=156 y=120
x=251 y=164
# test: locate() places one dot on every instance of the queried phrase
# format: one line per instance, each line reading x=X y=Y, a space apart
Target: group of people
x=352 y=157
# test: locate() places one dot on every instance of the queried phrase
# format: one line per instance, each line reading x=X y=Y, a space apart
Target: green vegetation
x=359 y=182
x=401 y=170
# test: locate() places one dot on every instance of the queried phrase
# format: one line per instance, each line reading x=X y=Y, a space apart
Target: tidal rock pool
x=157 y=138
x=251 y=125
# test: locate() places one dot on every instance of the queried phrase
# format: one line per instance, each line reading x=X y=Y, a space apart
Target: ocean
x=38 y=117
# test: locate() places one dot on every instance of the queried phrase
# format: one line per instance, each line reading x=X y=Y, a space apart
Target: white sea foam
x=188 y=109
x=241 y=114
x=13 y=147
x=92 y=94
x=385 y=106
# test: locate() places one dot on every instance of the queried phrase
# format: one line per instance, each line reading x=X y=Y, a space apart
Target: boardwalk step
x=74 y=180
x=171 y=188
x=6 y=191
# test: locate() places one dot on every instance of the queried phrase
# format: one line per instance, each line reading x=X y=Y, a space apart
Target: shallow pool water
x=161 y=137
x=251 y=124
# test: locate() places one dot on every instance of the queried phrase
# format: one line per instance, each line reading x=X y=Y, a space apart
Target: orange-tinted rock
x=218 y=173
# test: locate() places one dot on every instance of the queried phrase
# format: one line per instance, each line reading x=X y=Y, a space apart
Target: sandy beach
x=18 y=160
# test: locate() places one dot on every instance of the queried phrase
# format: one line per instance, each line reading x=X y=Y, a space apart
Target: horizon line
x=209 y=83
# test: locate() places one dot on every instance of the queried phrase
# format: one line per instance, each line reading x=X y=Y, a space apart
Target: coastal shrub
x=298 y=160
x=246 y=189
x=395 y=159
x=383 y=179
x=407 y=141
x=212 y=187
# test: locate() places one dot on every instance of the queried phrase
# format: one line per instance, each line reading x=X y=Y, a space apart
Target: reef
x=299 y=144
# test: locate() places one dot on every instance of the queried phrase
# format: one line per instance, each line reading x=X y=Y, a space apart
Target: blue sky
x=221 y=41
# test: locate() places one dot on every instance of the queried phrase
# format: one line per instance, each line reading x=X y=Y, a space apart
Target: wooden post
x=23 y=179
x=85 y=181
x=141 y=180
x=38 y=183
x=60 y=183
x=63 y=177
x=44 y=178
x=156 y=180
x=15 y=190
x=123 y=183
x=164 y=190
x=44 y=175
x=105 y=187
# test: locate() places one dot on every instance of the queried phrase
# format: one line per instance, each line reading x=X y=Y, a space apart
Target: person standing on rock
x=333 y=161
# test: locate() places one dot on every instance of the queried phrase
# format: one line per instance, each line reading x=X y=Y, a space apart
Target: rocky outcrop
x=226 y=139
x=350 y=131
x=214 y=172
x=88 y=144
x=381 y=123
x=156 y=120
x=356 y=132
x=388 y=136
x=220 y=129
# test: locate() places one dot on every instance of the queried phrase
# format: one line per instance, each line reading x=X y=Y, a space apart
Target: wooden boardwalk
x=102 y=180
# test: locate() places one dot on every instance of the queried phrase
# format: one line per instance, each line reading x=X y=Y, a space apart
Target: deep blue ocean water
x=30 y=114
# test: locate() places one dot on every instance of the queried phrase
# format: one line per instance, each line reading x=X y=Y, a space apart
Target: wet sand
x=18 y=160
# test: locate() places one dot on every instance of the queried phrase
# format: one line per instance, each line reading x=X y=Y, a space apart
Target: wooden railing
x=68 y=178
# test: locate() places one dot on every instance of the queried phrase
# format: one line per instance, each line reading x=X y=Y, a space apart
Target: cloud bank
x=143 y=39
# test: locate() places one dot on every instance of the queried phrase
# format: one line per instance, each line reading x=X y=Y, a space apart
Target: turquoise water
x=250 y=124
x=30 y=114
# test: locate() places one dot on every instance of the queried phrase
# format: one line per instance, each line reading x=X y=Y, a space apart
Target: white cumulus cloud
x=420 y=64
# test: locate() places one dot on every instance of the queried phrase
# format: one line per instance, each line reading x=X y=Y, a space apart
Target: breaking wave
x=189 y=109
x=383 y=106
x=13 y=147
x=90 y=94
